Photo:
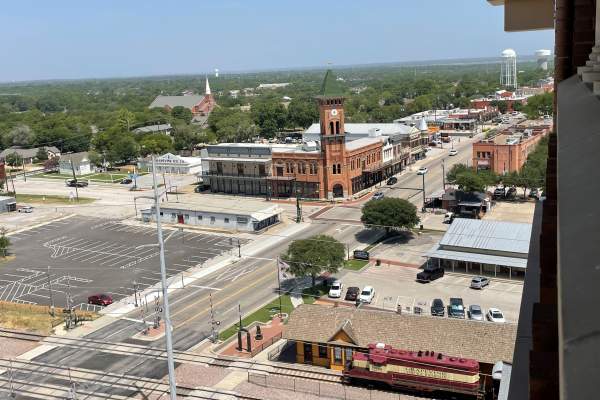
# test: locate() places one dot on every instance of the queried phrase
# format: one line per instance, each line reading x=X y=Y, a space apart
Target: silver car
x=479 y=282
x=475 y=312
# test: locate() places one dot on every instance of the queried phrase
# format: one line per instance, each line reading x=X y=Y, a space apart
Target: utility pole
x=443 y=175
x=239 y=248
x=51 y=295
x=214 y=334
x=73 y=389
x=23 y=164
x=74 y=180
x=423 y=210
x=163 y=278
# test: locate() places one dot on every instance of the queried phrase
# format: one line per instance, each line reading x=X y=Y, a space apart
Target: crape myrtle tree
x=310 y=257
x=390 y=213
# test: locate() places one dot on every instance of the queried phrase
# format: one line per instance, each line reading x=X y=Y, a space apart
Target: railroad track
x=92 y=384
x=184 y=357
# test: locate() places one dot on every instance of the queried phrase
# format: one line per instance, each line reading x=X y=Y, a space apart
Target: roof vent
x=439 y=357
x=420 y=353
x=380 y=346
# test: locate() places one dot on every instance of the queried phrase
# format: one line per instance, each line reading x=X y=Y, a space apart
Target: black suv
x=392 y=180
x=437 y=308
x=76 y=183
x=456 y=308
x=430 y=274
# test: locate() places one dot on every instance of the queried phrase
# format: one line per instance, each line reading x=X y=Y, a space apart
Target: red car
x=100 y=299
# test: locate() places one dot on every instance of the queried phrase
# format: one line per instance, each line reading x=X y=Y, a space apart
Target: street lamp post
x=423 y=210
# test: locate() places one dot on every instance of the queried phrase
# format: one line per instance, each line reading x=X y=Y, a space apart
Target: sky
x=73 y=39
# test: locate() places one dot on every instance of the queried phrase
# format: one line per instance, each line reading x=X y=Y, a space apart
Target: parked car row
x=353 y=293
x=456 y=309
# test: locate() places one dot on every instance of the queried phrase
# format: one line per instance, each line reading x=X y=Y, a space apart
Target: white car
x=367 y=294
x=25 y=209
x=495 y=315
x=453 y=152
x=422 y=171
x=336 y=289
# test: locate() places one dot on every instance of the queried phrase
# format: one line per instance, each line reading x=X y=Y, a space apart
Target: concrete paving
x=397 y=285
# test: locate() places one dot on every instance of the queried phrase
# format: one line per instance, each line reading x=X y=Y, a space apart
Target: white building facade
x=173 y=164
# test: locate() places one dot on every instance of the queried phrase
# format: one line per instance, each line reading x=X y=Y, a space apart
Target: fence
x=265 y=344
x=320 y=388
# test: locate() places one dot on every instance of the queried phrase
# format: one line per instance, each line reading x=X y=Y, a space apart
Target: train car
x=422 y=371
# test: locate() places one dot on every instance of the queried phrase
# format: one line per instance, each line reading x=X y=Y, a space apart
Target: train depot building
x=483 y=247
x=329 y=336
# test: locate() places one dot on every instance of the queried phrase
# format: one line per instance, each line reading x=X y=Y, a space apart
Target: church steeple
x=207 y=90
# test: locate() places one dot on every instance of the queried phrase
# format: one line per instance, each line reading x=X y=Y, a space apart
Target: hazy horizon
x=112 y=39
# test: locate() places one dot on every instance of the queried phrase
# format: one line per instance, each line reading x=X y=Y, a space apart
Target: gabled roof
x=347 y=329
x=174 y=101
x=331 y=86
x=486 y=342
x=75 y=158
x=27 y=153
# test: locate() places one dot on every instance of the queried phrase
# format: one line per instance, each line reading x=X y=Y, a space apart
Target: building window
x=242 y=220
x=187 y=216
x=226 y=220
x=331 y=127
x=339 y=168
x=173 y=215
x=337 y=355
x=348 y=351
x=212 y=220
x=301 y=168
x=337 y=127
x=261 y=170
x=240 y=169
x=322 y=351
x=199 y=217
x=161 y=213
x=313 y=168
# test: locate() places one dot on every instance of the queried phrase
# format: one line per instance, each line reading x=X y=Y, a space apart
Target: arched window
x=331 y=127
x=339 y=169
x=337 y=127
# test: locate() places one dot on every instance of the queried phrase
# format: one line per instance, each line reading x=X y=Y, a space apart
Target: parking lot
x=90 y=255
x=397 y=285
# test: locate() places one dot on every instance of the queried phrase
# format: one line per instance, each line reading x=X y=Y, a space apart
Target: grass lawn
x=263 y=314
x=355 y=265
x=309 y=295
x=56 y=176
x=50 y=199
x=106 y=177
x=33 y=318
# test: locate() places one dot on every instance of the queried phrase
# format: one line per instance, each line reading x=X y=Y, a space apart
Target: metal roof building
x=484 y=247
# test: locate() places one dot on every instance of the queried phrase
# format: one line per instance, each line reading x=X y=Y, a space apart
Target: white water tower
x=508 y=69
x=542 y=57
x=216 y=72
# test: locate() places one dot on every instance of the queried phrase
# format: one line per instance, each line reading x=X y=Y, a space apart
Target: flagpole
x=279 y=284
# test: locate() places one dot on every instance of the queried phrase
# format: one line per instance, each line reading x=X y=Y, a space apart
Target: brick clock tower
x=333 y=147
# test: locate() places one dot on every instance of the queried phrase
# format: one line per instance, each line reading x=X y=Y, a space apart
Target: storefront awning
x=478 y=258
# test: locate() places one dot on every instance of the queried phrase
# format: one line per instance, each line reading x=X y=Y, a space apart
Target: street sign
x=361 y=255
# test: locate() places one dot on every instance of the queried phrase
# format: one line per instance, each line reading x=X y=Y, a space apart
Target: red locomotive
x=423 y=371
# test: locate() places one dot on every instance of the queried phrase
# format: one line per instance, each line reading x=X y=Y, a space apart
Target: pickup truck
x=456 y=309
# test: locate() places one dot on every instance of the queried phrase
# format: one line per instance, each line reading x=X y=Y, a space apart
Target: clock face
x=333 y=112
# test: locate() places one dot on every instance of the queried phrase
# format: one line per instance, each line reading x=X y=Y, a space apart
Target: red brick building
x=332 y=167
x=507 y=151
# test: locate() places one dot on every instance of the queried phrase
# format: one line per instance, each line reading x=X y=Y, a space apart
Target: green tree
x=95 y=158
x=51 y=163
x=4 y=242
x=454 y=171
x=269 y=116
x=470 y=181
x=489 y=177
x=125 y=119
x=14 y=159
x=391 y=213
x=156 y=144
x=501 y=105
x=123 y=149
x=310 y=257
x=539 y=105
x=42 y=154
x=302 y=113
x=182 y=114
